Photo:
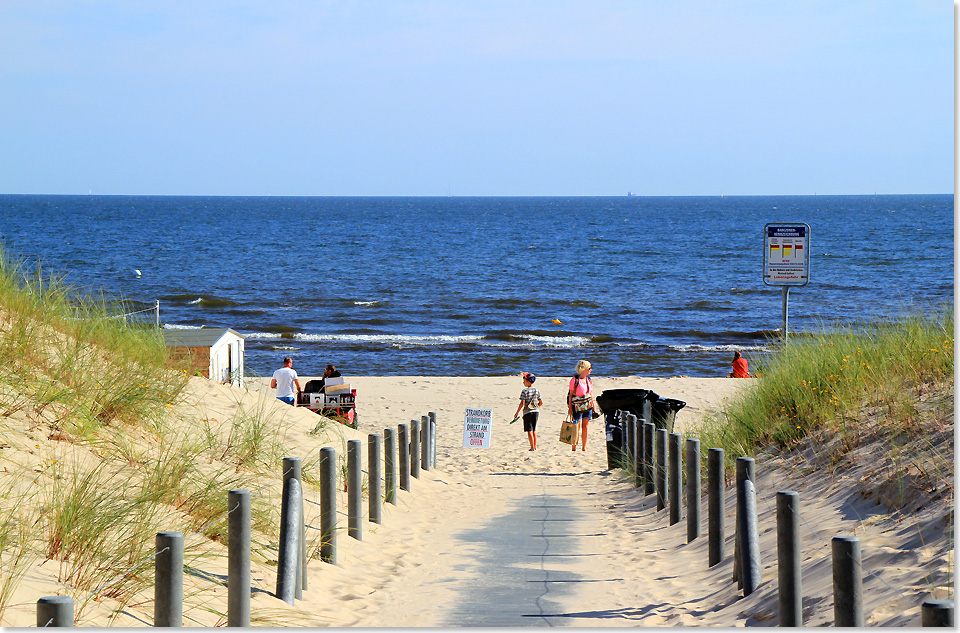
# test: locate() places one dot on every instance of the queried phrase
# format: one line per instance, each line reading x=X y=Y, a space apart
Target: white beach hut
x=217 y=353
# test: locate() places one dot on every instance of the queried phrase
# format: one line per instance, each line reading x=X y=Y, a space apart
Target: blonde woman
x=580 y=400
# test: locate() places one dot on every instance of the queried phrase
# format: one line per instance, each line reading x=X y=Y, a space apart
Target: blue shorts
x=583 y=415
x=287 y=399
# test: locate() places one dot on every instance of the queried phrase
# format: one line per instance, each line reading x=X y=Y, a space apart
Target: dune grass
x=14 y=549
x=73 y=370
x=837 y=378
x=77 y=360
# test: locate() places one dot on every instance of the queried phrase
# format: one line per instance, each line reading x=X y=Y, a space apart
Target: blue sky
x=476 y=98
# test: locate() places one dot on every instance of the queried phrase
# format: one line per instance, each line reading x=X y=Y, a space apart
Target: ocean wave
x=203 y=301
x=366 y=303
x=556 y=341
x=176 y=326
x=705 y=306
x=723 y=334
x=414 y=340
x=409 y=339
x=696 y=347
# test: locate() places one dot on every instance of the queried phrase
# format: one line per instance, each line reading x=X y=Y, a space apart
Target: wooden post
x=693 y=489
x=790 y=596
x=328 y=505
x=373 y=468
x=238 y=558
x=168 y=590
x=715 y=518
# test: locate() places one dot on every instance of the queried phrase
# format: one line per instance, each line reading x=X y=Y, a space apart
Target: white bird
x=136 y=271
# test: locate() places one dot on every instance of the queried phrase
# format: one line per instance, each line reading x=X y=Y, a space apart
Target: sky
x=487 y=98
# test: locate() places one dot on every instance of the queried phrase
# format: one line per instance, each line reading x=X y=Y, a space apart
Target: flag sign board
x=786 y=254
x=477 y=426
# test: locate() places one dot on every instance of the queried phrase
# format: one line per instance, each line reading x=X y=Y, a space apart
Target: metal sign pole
x=786 y=262
x=785 y=290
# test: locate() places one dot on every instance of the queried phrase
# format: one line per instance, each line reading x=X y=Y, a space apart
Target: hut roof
x=202 y=337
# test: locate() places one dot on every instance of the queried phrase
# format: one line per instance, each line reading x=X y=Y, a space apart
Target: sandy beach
x=506 y=536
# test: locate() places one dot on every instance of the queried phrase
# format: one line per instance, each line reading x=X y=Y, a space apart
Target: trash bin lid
x=670 y=403
x=626 y=395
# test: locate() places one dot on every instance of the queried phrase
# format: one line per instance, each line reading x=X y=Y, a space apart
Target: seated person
x=739 y=367
x=318 y=386
x=329 y=372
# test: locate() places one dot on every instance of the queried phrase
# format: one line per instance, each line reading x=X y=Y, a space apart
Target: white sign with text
x=477 y=426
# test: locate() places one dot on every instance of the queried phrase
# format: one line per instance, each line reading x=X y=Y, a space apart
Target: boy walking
x=530 y=402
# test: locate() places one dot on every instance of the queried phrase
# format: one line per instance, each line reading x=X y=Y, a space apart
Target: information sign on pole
x=786 y=254
x=477 y=427
x=786 y=261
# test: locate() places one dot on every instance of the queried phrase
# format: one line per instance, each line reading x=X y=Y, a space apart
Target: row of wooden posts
x=407 y=450
x=655 y=457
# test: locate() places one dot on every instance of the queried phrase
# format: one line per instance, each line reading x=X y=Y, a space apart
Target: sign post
x=786 y=260
x=477 y=428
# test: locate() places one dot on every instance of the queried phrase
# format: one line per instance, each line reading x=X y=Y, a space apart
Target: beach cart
x=337 y=400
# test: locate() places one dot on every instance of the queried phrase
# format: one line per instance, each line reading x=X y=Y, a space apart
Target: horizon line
x=273 y=195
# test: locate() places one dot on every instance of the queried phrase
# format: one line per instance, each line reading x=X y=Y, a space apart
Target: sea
x=476 y=286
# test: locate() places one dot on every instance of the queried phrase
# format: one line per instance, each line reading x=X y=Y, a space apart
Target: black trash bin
x=665 y=413
x=613 y=424
x=613 y=403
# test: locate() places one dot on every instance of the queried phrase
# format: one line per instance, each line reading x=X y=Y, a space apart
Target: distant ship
x=630 y=194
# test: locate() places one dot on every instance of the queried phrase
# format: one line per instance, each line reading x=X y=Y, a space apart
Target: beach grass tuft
x=845 y=381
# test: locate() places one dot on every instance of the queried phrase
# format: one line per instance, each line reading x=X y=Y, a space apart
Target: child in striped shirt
x=530 y=402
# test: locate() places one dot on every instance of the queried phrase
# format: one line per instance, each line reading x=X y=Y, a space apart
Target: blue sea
x=473 y=286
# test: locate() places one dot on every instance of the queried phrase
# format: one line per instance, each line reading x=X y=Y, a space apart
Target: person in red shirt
x=739 y=367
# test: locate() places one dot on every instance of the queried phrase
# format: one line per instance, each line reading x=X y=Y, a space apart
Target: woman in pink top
x=580 y=400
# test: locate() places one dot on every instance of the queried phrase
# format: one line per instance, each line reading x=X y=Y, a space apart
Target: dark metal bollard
x=390 y=466
x=433 y=439
x=662 y=482
x=238 y=558
x=638 y=457
x=403 y=441
x=676 y=488
x=168 y=571
x=54 y=611
x=328 y=505
x=288 y=574
x=373 y=484
x=716 y=527
x=415 y=448
x=693 y=489
x=745 y=471
x=292 y=469
x=847 y=582
x=425 y=442
x=749 y=537
x=648 y=480
x=936 y=613
x=788 y=559
x=355 y=489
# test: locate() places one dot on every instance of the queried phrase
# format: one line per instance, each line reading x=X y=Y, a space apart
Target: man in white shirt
x=284 y=380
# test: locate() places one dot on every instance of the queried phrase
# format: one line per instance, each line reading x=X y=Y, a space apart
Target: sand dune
x=505 y=536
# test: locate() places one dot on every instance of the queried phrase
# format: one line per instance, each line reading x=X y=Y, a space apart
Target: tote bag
x=568 y=432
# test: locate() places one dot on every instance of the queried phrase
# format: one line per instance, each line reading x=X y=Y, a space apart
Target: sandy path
x=511 y=537
x=504 y=536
